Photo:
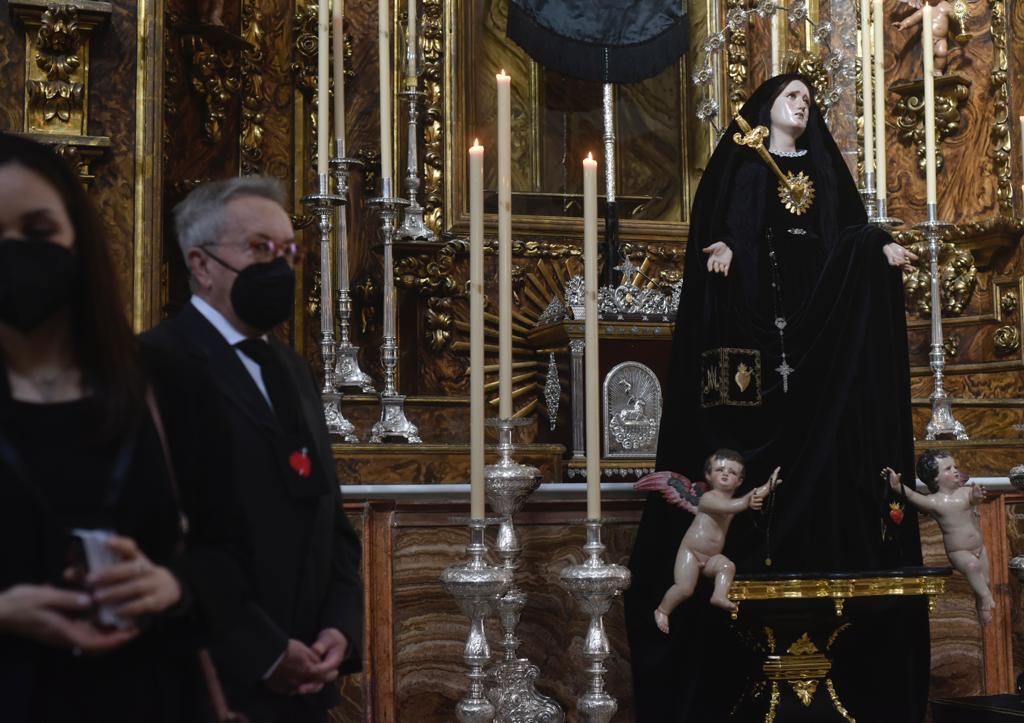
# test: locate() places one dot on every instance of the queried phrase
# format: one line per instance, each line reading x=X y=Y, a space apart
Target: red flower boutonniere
x=300 y=462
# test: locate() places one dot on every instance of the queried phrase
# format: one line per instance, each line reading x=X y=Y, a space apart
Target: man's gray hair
x=200 y=218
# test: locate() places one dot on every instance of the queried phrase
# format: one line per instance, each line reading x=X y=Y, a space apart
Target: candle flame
x=590 y=156
x=502 y=74
x=476 y=142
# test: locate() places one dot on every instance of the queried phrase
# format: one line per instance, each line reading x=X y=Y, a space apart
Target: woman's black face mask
x=37 y=279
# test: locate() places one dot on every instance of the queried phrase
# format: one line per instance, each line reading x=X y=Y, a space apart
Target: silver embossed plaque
x=632 y=411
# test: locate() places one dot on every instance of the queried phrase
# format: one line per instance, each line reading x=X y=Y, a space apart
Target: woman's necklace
x=48 y=385
x=778 y=314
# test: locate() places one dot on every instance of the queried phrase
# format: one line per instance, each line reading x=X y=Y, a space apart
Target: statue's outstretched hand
x=896 y=255
x=719 y=257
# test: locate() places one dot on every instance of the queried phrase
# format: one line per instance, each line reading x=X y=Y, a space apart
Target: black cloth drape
x=610 y=41
x=845 y=416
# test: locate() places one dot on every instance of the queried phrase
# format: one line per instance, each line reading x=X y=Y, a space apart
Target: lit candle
x=323 y=77
x=866 y=94
x=880 y=175
x=338 y=46
x=384 y=50
x=590 y=338
x=927 y=50
x=505 y=244
x=410 y=48
x=476 y=331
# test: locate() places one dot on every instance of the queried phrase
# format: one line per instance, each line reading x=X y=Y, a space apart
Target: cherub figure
x=952 y=505
x=713 y=505
x=941 y=12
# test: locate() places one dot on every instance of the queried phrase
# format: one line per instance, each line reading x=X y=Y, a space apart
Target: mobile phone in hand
x=96 y=555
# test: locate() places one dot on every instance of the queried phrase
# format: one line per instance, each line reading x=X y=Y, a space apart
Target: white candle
x=927 y=50
x=410 y=47
x=505 y=244
x=880 y=170
x=866 y=94
x=777 y=42
x=590 y=338
x=476 y=331
x=338 y=46
x=323 y=78
x=384 y=50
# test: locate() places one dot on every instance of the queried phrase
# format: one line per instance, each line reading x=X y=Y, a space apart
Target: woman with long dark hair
x=82 y=471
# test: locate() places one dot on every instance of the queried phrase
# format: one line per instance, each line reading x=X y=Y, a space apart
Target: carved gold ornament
x=742 y=377
x=795 y=191
x=1006 y=339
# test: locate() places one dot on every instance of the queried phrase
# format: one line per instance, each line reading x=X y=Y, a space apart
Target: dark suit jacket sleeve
x=244 y=640
x=343 y=606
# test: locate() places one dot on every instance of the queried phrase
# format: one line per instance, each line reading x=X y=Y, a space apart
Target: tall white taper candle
x=504 y=244
x=476 y=331
x=590 y=337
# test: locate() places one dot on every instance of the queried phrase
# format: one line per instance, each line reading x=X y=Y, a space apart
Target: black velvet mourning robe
x=845 y=416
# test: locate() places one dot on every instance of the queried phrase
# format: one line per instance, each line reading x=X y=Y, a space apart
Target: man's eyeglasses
x=265 y=250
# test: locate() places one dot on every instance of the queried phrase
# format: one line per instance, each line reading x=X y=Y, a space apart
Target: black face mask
x=262 y=295
x=37 y=279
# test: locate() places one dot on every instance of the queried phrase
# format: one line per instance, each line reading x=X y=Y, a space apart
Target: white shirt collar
x=231 y=335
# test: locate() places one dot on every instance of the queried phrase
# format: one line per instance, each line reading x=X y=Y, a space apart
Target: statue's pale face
x=792 y=108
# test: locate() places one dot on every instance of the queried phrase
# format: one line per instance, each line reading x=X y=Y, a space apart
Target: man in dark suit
x=284 y=607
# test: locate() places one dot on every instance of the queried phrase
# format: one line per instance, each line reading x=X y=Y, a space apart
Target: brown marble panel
x=1005 y=384
x=430 y=464
x=981 y=422
x=430 y=630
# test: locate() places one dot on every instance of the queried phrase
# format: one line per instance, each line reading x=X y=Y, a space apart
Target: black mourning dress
x=844 y=416
x=61 y=479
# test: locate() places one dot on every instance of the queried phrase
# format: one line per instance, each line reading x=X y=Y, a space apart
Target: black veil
x=845 y=415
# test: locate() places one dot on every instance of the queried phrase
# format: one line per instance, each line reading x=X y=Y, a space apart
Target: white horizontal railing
x=613 y=490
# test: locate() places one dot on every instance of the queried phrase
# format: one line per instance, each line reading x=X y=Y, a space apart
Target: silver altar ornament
x=324 y=203
x=476 y=586
x=594 y=584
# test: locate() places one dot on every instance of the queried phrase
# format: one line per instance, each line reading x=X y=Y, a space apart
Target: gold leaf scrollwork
x=951 y=343
x=1006 y=339
x=215 y=78
x=253 y=92
x=957 y=276
x=433 y=119
x=999 y=79
x=736 y=61
x=58 y=42
x=1009 y=302
x=304 y=64
x=951 y=92
x=439 y=322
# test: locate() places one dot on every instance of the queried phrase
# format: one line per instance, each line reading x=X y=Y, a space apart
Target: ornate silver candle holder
x=869 y=196
x=347 y=374
x=413 y=227
x=476 y=586
x=324 y=203
x=508 y=485
x=942 y=424
x=883 y=218
x=393 y=423
x=594 y=584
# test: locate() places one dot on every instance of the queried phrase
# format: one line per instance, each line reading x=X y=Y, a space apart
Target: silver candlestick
x=594 y=584
x=869 y=196
x=882 y=217
x=347 y=373
x=393 y=423
x=943 y=424
x=324 y=205
x=508 y=485
x=476 y=586
x=413 y=227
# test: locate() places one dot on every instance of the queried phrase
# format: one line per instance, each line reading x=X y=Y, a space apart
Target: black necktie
x=275 y=379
